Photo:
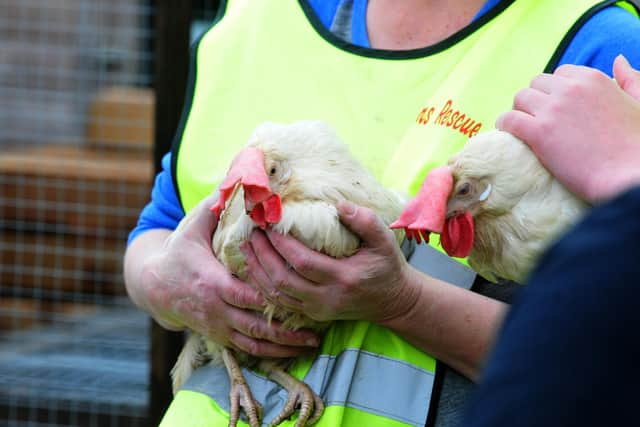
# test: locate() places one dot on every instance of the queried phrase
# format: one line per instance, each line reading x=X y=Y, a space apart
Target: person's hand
x=369 y=285
x=583 y=126
x=187 y=287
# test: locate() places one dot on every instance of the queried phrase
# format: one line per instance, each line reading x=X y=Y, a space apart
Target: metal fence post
x=171 y=54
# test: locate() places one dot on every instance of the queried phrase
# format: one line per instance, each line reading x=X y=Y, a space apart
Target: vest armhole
x=438 y=383
x=188 y=98
x=562 y=47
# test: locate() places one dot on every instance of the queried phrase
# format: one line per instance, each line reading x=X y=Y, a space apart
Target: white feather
x=315 y=171
x=526 y=210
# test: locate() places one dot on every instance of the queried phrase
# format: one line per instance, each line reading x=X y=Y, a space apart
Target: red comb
x=426 y=212
x=247 y=168
x=457 y=237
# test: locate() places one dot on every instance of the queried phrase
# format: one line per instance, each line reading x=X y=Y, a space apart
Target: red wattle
x=272 y=209
x=267 y=212
x=457 y=236
x=257 y=216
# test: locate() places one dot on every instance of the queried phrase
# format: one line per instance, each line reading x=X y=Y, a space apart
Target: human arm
x=378 y=285
x=175 y=277
x=583 y=126
x=566 y=355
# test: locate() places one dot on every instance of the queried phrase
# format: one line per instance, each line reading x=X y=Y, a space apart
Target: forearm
x=452 y=324
x=139 y=251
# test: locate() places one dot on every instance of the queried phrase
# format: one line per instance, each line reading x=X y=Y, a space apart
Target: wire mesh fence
x=76 y=132
x=76 y=166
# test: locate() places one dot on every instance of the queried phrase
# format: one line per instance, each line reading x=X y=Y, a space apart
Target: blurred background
x=90 y=96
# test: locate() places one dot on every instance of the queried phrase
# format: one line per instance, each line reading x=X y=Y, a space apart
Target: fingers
x=628 y=78
x=529 y=100
x=573 y=72
x=530 y=106
x=200 y=221
x=253 y=334
x=204 y=216
x=231 y=312
x=253 y=324
x=365 y=223
x=568 y=70
x=311 y=265
x=262 y=348
x=575 y=79
x=275 y=290
x=519 y=124
x=237 y=293
x=273 y=275
x=544 y=83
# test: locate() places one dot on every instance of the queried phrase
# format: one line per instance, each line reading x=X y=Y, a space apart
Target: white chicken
x=289 y=177
x=495 y=204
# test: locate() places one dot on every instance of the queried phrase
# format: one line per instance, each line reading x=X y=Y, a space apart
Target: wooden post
x=171 y=63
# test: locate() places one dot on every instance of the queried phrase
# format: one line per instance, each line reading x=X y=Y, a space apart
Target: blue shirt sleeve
x=164 y=209
x=594 y=46
x=359 y=35
x=325 y=10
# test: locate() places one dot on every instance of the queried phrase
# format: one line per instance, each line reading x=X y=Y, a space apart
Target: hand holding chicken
x=287 y=180
x=370 y=285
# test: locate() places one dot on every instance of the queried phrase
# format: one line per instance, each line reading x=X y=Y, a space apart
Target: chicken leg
x=240 y=394
x=300 y=395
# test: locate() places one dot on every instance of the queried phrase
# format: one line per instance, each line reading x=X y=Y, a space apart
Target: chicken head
x=262 y=205
x=444 y=205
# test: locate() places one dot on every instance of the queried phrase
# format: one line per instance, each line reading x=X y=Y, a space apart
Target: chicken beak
x=248 y=206
x=454 y=207
x=248 y=170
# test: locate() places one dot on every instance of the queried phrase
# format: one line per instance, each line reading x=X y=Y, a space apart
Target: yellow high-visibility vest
x=401 y=113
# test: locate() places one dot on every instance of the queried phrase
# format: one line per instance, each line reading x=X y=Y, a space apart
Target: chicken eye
x=273 y=171
x=464 y=189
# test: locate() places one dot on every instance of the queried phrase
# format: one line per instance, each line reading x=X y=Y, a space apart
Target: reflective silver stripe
x=408 y=247
x=358 y=379
x=428 y=259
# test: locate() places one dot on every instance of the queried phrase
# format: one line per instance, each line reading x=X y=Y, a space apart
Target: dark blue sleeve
x=164 y=209
x=594 y=46
x=568 y=352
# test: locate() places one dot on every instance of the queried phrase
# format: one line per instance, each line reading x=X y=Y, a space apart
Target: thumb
x=627 y=77
x=364 y=223
x=200 y=220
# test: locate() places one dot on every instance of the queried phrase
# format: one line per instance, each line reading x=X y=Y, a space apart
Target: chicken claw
x=300 y=396
x=240 y=394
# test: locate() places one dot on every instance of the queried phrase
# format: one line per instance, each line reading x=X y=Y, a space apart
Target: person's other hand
x=369 y=285
x=187 y=287
x=583 y=126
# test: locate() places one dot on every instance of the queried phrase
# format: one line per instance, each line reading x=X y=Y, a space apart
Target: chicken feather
x=310 y=170
x=502 y=205
x=526 y=210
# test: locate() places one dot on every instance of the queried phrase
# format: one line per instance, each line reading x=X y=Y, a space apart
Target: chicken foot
x=300 y=396
x=240 y=394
